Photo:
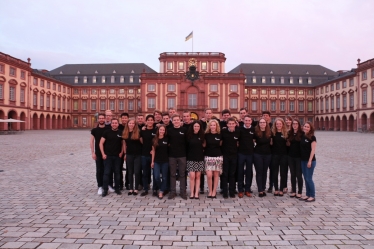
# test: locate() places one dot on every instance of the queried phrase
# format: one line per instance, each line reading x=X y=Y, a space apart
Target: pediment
x=13 y=82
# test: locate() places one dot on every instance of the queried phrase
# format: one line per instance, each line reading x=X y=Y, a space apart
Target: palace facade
x=71 y=95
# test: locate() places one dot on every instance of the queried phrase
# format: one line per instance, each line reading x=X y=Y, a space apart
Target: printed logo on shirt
x=251 y=133
x=119 y=135
x=198 y=138
x=181 y=133
x=153 y=134
x=217 y=139
x=164 y=142
x=306 y=140
x=235 y=138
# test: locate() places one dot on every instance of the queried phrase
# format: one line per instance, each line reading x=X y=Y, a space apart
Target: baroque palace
x=70 y=96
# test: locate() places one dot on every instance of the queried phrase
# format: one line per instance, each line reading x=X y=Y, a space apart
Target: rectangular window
x=84 y=105
x=233 y=88
x=317 y=105
x=41 y=100
x=102 y=79
x=282 y=80
x=192 y=100
x=263 y=91
x=58 y=103
x=254 y=105
x=112 y=91
x=103 y=91
x=48 y=85
x=170 y=65
x=351 y=100
x=54 y=86
x=111 y=104
x=112 y=79
x=203 y=66
x=253 y=79
x=35 y=81
x=327 y=89
x=214 y=88
x=35 y=99
x=171 y=102
x=345 y=101
x=181 y=65
x=332 y=87
x=93 y=91
x=309 y=80
x=102 y=105
x=263 y=105
x=121 y=91
x=94 y=79
x=1 y=68
x=121 y=79
x=12 y=71
x=12 y=93
x=59 y=88
x=254 y=91
x=282 y=105
x=301 y=105
x=292 y=106
x=272 y=80
x=130 y=105
x=151 y=103
x=63 y=104
x=344 y=83
x=84 y=121
x=215 y=66
x=351 y=82
x=151 y=87
x=310 y=106
x=22 y=93
x=300 y=80
x=76 y=91
x=282 y=92
x=301 y=92
x=23 y=75
x=364 y=75
x=291 y=80
x=332 y=101
x=337 y=85
x=326 y=105
x=75 y=121
x=48 y=101
x=233 y=103
x=213 y=103
x=75 y=105
x=84 y=91
x=263 y=80
x=93 y=105
x=272 y=91
x=121 y=104
x=272 y=103
x=171 y=87
x=310 y=91
x=42 y=83
x=321 y=105
x=337 y=102
x=292 y=92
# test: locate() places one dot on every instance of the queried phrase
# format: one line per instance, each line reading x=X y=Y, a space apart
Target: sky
x=333 y=33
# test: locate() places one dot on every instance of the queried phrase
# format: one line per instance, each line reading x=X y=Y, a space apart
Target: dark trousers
x=160 y=176
x=146 y=168
x=228 y=175
x=262 y=163
x=296 y=174
x=245 y=172
x=112 y=164
x=271 y=182
x=99 y=171
x=180 y=163
x=279 y=165
x=202 y=181
x=133 y=166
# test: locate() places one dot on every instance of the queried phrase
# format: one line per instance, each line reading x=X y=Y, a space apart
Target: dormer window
x=272 y=79
x=102 y=79
x=94 y=79
x=282 y=80
x=291 y=80
x=112 y=79
x=253 y=79
x=76 y=79
x=309 y=80
x=122 y=79
x=263 y=80
x=85 y=79
x=131 y=79
x=300 y=80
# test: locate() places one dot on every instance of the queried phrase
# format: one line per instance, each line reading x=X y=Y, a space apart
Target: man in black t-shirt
x=124 y=120
x=111 y=149
x=96 y=134
x=230 y=142
x=242 y=113
x=225 y=115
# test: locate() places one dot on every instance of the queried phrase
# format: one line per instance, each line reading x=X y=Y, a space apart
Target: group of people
x=224 y=150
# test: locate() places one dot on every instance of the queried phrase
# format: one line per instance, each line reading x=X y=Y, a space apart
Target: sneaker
x=100 y=191
x=105 y=193
x=144 y=193
x=118 y=192
x=111 y=190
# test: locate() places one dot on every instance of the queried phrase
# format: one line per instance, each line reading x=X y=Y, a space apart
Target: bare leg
x=209 y=175
x=197 y=183
x=192 y=183
x=216 y=178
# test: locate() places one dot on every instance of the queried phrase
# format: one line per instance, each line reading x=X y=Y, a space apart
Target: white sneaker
x=111 y=190
x=100 y=191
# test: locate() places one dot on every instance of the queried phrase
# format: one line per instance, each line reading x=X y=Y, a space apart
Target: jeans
x=158 y=182
x=179 y=162
x=146 y=167
x=228 y=174
x=262 y=163
x=133 y=166
x=245 y=174
x=112 y=164
x=308 y=177
x=279 y=165
x=99 y=171
x=296 y=174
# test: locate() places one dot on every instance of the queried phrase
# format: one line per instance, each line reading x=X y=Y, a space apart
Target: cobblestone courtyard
x=49 y=199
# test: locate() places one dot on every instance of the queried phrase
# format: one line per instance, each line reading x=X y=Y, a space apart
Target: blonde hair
x=135 y=132
x=284 y=128
x=207 y=130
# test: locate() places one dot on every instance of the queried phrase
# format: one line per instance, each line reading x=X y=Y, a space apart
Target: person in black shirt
x=245 y=157
x=213 y=156
x=158 y=117
x=308 y=146
x=187 y=119
x=225 y=115
x=96 y=134
x=124 y=120
x=160 y=160
x=262 y=154
x=140 y=121
x=108 y=119
x=166 y=120
x=121 y=127
x=132 y=149
x=230 y=142
x=242 y=114
x=177 y=157
x=279 y=162
x=195 y=157
x=146 y=137
x=294 y=162
x=111 y=150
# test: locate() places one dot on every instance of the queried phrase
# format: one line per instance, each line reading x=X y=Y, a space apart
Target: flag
x=189 y=36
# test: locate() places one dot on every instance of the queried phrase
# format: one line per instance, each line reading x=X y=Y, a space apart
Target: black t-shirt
x=262 y=144
x=161 y=151
x=223 y=124
x=294 y=150
x=98 y=132
x=195 y=150
x=213 y=147
x=241 y=123
x=113 y=142
x=147 y=135
x=246 y=144
x=306 y=148
x=121 y=127
x=177 y=142
x=279 y=146
x=230 y=142
x=186 y=125
x=133 y=147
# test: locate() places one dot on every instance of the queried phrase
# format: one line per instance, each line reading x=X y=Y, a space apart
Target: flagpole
x=192 y=44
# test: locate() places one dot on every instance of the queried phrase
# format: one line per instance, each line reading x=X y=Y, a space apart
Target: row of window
x=281 y=105
x=65 y=103
x=203 y=65
x=336 y=86
x=281 y=80
x=104 y=91
x=48 y=85
x=364 y=74
x=104 y=78
x=13 y=71
x=104 y=105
